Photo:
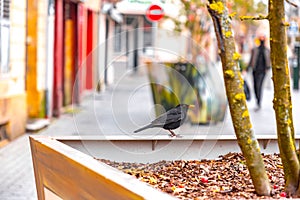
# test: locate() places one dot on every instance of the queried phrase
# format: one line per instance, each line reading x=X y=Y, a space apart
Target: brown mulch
x=224 y=178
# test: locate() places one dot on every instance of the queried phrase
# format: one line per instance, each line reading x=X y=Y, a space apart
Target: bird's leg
x=172 y=133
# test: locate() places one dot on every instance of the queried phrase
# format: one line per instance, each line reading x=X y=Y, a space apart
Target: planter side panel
x=69 y=178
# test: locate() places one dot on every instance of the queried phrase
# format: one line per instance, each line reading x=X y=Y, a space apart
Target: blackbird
x=169 y=120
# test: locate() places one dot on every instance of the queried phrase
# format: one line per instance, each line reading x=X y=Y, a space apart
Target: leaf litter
x=224 y=178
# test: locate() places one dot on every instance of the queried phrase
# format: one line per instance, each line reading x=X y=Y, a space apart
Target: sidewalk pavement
x=120 y=109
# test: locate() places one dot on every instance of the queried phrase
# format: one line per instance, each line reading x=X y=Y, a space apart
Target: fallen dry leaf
x=224 y=178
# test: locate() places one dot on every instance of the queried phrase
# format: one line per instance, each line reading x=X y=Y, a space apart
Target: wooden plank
x=73 y=175
x=161 y=137
x=37 y=174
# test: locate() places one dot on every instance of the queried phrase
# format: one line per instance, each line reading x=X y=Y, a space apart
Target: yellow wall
x=36 y=57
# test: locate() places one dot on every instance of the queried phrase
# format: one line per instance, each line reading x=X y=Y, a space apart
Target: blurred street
x=107 y=68
x=119 y=110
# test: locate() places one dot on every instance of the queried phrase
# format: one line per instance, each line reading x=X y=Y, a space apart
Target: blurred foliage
x=194 y=16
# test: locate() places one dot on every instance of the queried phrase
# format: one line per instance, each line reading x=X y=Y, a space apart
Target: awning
x=110 y=10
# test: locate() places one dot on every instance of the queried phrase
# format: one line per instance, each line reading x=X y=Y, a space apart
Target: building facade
x=13 y=105
x=48 y=58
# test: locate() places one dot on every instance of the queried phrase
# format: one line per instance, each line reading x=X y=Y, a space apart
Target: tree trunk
x=236 y=97
x=282 y=95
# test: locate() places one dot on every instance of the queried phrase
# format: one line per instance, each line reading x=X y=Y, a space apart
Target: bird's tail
x=143 y=128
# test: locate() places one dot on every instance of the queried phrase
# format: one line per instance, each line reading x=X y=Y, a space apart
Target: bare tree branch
x=292 y=3
x=259 y=17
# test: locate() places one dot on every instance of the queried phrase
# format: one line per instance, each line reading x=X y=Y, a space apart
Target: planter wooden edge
x=71 y=174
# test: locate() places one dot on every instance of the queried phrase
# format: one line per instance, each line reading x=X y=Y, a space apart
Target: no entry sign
x=154 y=13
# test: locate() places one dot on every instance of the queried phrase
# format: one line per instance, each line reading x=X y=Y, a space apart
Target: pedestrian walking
x=259 y=63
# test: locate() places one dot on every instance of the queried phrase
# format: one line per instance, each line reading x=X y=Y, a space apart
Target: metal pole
x=106 y=49
x=296 y=68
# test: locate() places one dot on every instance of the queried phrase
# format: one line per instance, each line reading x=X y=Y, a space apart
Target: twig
x=259 y=17
x=292 y=3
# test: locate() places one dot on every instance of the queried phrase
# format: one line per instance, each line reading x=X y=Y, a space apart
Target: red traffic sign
x=154 y=13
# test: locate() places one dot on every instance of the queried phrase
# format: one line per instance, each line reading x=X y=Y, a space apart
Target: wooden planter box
x=63 y=172
x=65 y=167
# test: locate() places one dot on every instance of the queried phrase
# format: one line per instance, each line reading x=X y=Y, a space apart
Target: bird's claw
x=174 y=135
